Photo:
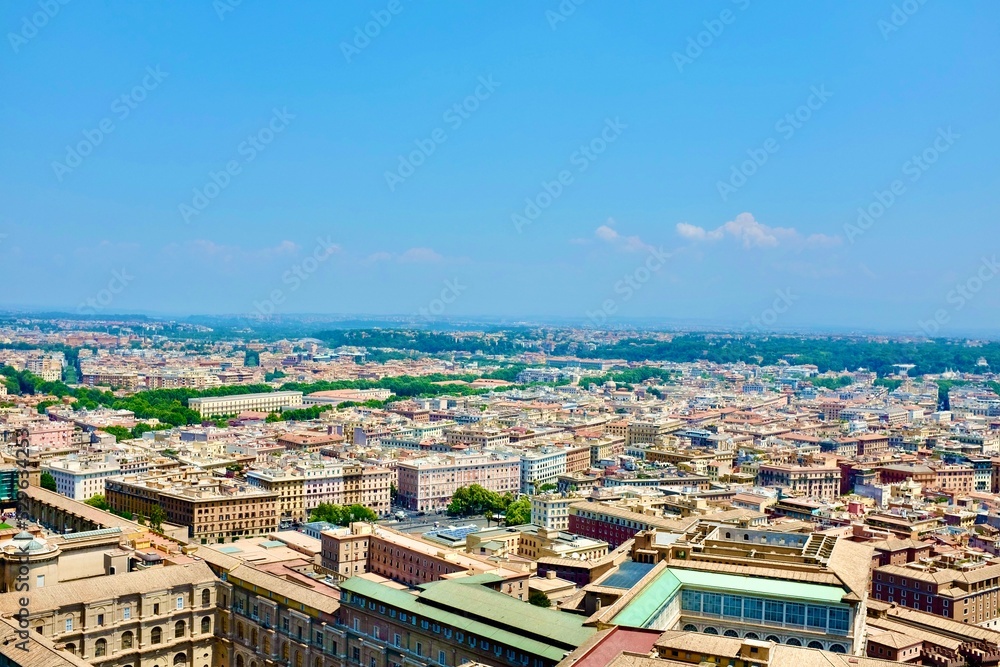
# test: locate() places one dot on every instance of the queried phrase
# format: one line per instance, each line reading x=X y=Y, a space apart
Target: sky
x=731 y=163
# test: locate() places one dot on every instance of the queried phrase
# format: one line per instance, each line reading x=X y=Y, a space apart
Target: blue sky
x=697 y=162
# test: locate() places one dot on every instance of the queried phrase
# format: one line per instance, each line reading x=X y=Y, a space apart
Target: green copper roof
x=658 y=593
x=509 y=622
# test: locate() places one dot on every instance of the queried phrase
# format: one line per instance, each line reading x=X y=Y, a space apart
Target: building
x=450 y=623
x=971 y=596
x=366 y=549
x=820 y=481
x=162 y=615
x=427 y=484
x=551 y=511
x=82 y=479
x=217 y=406
x=540 y=467
x=214 y=509
x=534 y=542
x=795 y=589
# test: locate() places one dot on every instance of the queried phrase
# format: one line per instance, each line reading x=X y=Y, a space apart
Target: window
x=100 y=648
x=156 y=608
x=442 y=659
x=179 y=629
x=816 y=617
x=795 y=613
x=40 y=581
x=732 y=606
x=773 y=611
x=712 y=603
x=127 y=613
x=100 y=619
x=206 y=597
x=156 y=636
x=840 y=620
x=753 y=609
x=206 y=625
x=690 y=600
x=395 y=639
x=127 y=638
x=180 y=602
x=69 y=625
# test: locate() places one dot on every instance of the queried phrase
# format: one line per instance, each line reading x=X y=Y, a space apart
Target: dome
x=24 y=535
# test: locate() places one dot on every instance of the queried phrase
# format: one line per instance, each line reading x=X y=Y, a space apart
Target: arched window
x=156 y=635
x=239 y=631
x=731 y=633
x=239 y=660
x=253 y=636
x=206 y=597
x=71 y=647
x=772 y=638
x=206 y=625
x=267 y=644
x=127 y=639
x=284 y=651
x=751 y=635
x=690 y=628
x=179 y=628
x=180 y=659
x=837 y=648
x=792 y=641
x=711 y=631
x=100 y=648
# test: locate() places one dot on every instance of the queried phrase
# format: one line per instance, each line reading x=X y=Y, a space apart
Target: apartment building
x=160 y=616
x=50 y=434
x=81 y=479
x=971 y=596
x=551 y=511
x=407 y=559
x=427 y=484
x=540 y=467
x=534 y=542
x=650 y=431
x=483 y=438
x=215 y=509
x=216 y=406
x=819 y=481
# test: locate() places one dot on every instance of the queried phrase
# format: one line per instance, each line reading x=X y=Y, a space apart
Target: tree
x=48 y=481
x=539 y=599
x=341 y=515
x=547 y=487
x=120 y=432
x=519 y=512
x=156 y=518
x=99 y=502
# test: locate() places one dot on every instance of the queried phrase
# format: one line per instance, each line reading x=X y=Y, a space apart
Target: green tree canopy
x=48 y=481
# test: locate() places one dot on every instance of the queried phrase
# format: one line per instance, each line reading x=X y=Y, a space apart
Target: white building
x=81 y=480
x=541 y=466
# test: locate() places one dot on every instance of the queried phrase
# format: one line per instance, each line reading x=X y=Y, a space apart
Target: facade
x=163 y=615
x=967 y=597
x=810 y=481
x=551 y=511
x=213 y=509
x=428 y=484
x=363 y=549
x=540 y=467
x=216 y=406
x=81 y=480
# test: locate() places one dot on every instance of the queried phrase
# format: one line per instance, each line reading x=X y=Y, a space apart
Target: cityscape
x=562 y=333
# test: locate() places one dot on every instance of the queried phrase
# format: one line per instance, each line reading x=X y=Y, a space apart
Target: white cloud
x=753 y=234
x=610 y=235
x=420 y=255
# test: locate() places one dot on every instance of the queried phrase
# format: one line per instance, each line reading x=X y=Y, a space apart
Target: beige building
x=214 y=509
x=161 y=616
x=274 y=401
